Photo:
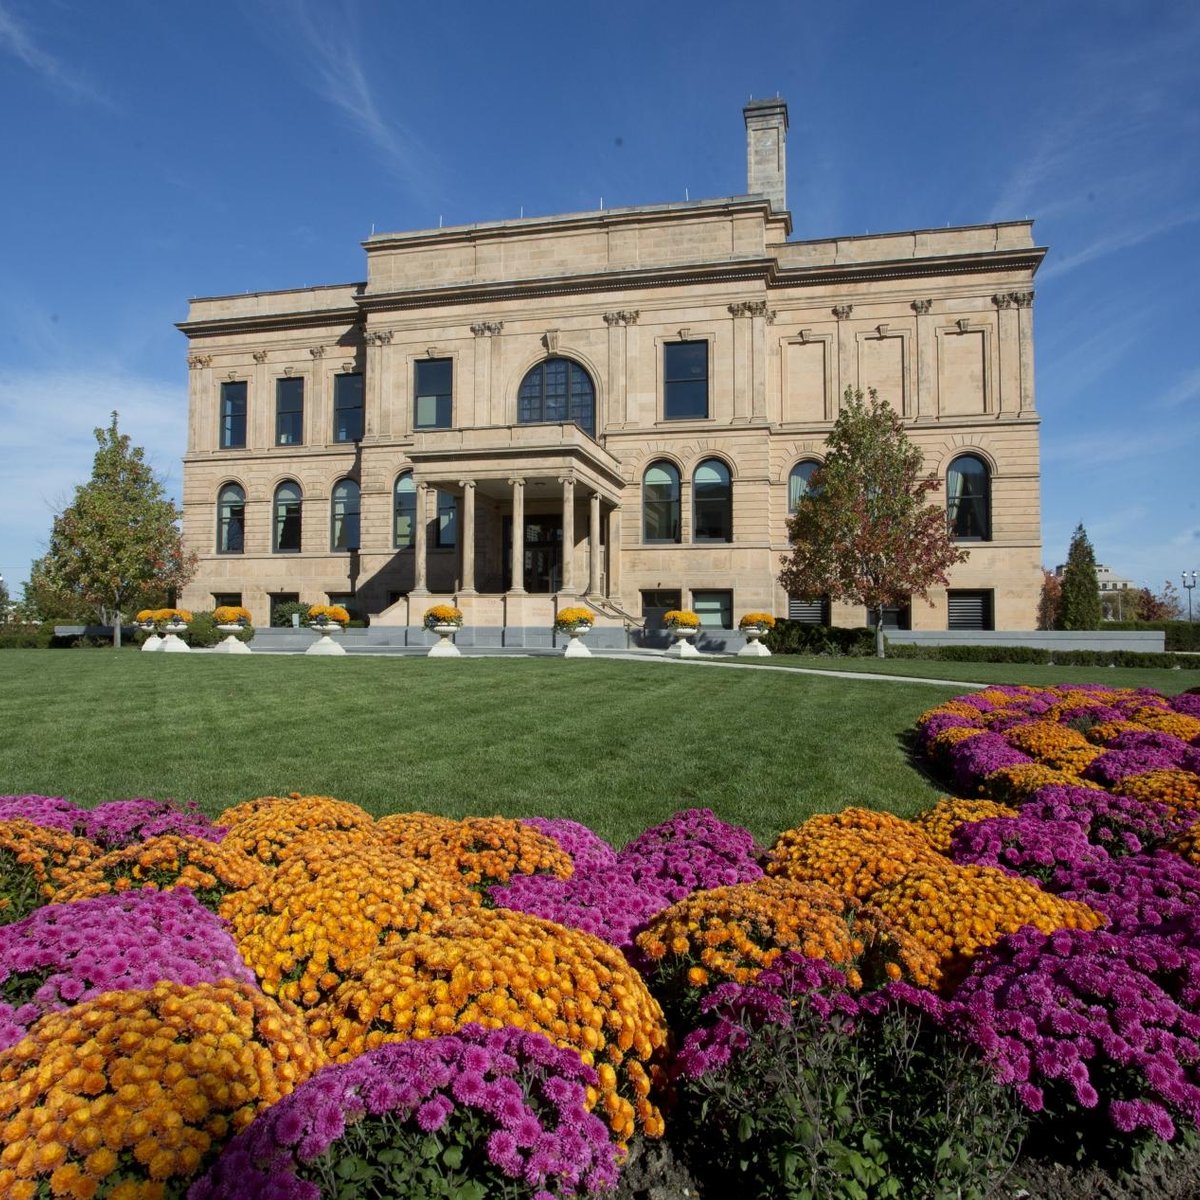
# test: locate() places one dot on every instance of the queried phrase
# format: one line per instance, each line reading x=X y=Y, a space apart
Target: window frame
x=445 y=520
x=675 y=502
x=700 y=606
x=289 y=383
x=675 y=382
x=226 y=508
x=344 y=516
x=794 y=473
x=570 y=415
x=959 y=508
x=397 y=543
x=344 y=434
x=709 y=503
x=232 y=421
x=278 y=525
x=441 y=420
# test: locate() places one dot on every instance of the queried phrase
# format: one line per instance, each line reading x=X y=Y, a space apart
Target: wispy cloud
x=1184 y=391
x=1112 y=243
x=48 y=445
x=16 y=39
x=1110 y=445
x=328 y=36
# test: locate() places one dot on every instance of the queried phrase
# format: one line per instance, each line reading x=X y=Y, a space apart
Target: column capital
x=197 y=361
x=487 y=328
x=568 y=478
x=921 y=307
x=842 y=311
x=466 y=483
x=517 y=482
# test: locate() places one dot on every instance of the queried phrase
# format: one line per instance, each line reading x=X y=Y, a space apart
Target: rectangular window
x=347 y=408
x=685 y=381
x=970 y=610
x=233 y=415
x=715 y=609
x=656 y=603
x=433 y=389
x=289 y=412
x=348 y=601
x=447 y=521
x=896 y=617
x=232 y=599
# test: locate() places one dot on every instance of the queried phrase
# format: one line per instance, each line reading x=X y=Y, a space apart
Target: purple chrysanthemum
x=1120 y=824
x=1137 y=893
x=1024 y=846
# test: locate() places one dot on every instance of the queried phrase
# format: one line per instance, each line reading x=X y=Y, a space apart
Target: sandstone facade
x=447 y=397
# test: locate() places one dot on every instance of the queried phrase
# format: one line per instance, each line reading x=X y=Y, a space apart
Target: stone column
x=468 y=536
x=320 y=426
x=1024 y=303
x=568 y=526
x=847 y=356
x=594 y=547
x=614 y=551
x=517 y=583
x=420 y=533
x=376 y=422
x=260 y=425
x=202 y=405
x=926 y=341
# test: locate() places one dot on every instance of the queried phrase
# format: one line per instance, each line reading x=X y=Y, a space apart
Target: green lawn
x=618 y=745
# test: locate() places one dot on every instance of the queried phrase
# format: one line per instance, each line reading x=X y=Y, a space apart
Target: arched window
x=660 y=503
x=344 y=514
x=287 y=518
x=557 y=390
x=231 y=519
x=800 y=481
x=969 y=499
x=712 y=502
x=404 y=508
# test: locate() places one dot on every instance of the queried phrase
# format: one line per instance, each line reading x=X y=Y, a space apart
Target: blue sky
x=155 y=151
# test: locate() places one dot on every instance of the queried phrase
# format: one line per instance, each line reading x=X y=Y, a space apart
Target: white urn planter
x=575 y=648
x=172 y=644
x=753 y=647
x=444 y=647
x=325 y=643
x=231 y=644
x=153 y=642
x=682 y=648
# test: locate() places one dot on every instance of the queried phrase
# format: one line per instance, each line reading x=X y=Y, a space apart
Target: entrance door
x=543 y=554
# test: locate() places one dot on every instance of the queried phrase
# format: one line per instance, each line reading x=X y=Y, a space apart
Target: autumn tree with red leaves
x=864 y=531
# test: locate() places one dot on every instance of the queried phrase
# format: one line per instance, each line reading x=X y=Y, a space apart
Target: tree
x=1163 y=606
x=1080 y=608
x=1050 y=600
x=118 y=541
x=863 y=532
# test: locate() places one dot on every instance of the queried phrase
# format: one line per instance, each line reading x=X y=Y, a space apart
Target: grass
x=618 y=745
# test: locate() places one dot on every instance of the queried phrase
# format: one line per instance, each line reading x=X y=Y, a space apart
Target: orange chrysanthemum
x=264 y=828
x=940 y=821
x=35 y=863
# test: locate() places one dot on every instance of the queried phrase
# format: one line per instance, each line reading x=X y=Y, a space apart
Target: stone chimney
x=766 y=150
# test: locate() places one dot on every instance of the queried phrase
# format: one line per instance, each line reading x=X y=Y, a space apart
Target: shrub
x=798 y=637
x=161 y=1078
x=468 y=1115
x=810 y=1104
x=27 y=637
x=281 y=614
x=500 y=968
x=64 y=954
x=202 y=632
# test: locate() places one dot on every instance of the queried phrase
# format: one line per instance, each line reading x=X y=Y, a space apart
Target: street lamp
x=1189 y=587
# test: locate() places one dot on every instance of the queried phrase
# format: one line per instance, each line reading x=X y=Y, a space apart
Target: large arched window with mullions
x=231 y=519
x=556 y=391
x=344 y=516
x=286 y=532
x=660 y=503
x=712 y=502
x=969 y=499
x=800 y=482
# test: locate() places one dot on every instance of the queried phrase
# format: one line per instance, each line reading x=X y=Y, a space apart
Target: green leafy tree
x=864 y=531
x=1080 y=604
x=1161 y=606
x=118 y=542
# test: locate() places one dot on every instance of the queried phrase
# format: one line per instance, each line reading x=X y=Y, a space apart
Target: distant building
x=622 y=406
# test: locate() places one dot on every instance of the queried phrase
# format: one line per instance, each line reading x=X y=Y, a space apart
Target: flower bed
x=509 y=1006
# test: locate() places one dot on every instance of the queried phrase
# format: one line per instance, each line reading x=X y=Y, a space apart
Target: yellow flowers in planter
x=335 y=899
x=681 y=618
x=956 y=911
x=940 y=821
x=478 y=850
x=163 y=616
x=265 y=827
x=231 y=614
x=328 y=613
x=505 y=968
x=734 y=932
x=210 y=869
x=856 y=851
x=143 y=1087
x=567 y=620
x=757 y=620
x=442 y=614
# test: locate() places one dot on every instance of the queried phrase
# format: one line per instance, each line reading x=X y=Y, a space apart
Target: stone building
x=620 y=405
